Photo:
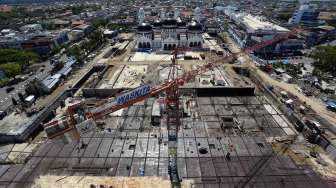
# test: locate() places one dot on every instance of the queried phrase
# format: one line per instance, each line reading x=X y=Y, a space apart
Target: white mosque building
x=169 y=32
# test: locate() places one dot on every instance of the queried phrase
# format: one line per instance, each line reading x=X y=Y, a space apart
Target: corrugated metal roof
x=50 y=82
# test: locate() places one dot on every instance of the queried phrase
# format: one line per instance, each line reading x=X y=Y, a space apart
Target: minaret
x=176 y=13
x=163 y=14
x=141 y=15
x=197 y=14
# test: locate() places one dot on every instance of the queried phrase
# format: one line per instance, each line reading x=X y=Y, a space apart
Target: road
x=43 y=101
x=6 y=98
x=318 y=107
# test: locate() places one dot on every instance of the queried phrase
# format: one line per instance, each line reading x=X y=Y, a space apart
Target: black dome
x=180 y=22
x=194 y=26
x=169 y=22
x=157 y=23
x=144 y=27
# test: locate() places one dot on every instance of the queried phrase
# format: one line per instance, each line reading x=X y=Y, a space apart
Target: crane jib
x=138 y=92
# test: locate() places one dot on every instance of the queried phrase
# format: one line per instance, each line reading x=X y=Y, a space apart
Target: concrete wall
x=225 y=91
x=202 y=92
x=99 y=93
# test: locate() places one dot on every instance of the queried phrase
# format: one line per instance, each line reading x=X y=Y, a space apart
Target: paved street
x=43 y=101
x=6 y=98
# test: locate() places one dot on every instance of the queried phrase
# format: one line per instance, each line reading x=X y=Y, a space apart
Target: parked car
x=9 y=89
x=2 y=114
x=308 y=93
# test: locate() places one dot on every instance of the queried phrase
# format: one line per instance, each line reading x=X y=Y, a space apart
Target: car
x=9 y=89
x=2 y=114
x=13 y=81
x=308 y=93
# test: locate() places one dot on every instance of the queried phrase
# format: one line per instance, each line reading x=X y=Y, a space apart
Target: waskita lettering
x=141 y=91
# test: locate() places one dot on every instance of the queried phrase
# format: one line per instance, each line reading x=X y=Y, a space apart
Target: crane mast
x=173 y=121
x=78 y=112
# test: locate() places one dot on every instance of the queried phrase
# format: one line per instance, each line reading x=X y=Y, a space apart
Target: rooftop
x=14 y=124
x=255 y=23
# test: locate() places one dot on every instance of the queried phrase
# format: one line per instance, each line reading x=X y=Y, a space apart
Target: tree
x=75 y=51
x=83 y=7
x=325 y=58
x=18 y=56
x=284 y=16
x=58 y=65
x=11 y=69
x=98 y=22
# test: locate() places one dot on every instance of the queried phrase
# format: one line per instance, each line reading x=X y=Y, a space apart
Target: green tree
x=98 y=22
x=75 y=51
x=19 y=56
x=11 y=69
x=82 y=7
x=284 y=16
x=325 y=58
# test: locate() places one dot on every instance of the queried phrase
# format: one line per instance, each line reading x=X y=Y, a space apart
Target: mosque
x=169 y=32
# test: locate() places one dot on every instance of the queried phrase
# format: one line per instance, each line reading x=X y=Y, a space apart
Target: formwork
x=128 y=145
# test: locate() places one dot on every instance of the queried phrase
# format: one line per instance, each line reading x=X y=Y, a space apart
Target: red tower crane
x=78 y=112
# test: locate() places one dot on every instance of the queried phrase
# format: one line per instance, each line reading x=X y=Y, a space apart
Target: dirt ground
x=94 y=181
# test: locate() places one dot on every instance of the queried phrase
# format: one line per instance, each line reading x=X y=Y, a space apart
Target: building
x=110 y=34
x=50 y=83
x=61 y=37
x=32 y=28
x=307 y=14
x=319 y=35
x=59 y=23
x=85 y=28
x=11 y=41
x=41 y=45
x=169 y=32
x=248 y=30
x=229 y=8
x=75 y=35
x=6 y=8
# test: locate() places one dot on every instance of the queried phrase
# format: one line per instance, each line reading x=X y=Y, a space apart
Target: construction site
x=168 y=123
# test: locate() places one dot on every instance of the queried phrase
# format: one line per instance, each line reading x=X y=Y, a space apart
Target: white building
x=249 y=29
x=169 y=33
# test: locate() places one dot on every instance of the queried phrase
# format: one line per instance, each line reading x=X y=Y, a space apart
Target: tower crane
x=78 y=112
